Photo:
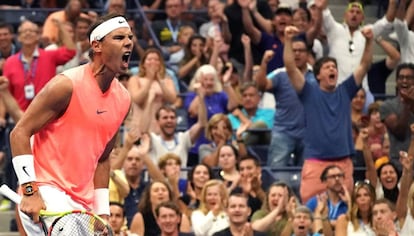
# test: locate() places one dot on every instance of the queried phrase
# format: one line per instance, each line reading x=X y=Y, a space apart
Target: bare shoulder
x=59 y=84
x=57 y=92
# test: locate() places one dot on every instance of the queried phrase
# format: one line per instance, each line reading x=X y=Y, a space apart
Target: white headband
x=108 y=26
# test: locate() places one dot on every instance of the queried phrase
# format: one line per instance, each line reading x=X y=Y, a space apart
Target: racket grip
x=12 y=195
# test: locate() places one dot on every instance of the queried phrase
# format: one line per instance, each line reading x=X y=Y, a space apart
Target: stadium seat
x=260 y=152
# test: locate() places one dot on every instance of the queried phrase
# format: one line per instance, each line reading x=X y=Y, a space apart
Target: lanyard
x=166 y=146
x=333 y=209
x=29 y=70
x=174 y=31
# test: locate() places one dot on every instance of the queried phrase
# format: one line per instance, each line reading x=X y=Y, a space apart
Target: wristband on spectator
x=101 y=201
x=320 y=218
x=24 y=168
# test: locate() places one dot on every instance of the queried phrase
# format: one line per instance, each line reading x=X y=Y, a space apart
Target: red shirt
x=42 y=69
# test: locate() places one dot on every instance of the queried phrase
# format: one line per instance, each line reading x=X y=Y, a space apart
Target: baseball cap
x=283 y=8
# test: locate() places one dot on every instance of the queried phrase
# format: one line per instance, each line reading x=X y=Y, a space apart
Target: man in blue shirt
x=328 y=133
x=333 y=178
x=289 y=123
x=250 y=114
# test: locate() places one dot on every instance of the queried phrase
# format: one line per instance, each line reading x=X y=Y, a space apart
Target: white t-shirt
x=180 y=146
x=408 y=227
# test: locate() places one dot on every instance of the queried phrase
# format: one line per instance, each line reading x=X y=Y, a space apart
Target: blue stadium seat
x=290 y=175
x=15 y=17
x=260 y=152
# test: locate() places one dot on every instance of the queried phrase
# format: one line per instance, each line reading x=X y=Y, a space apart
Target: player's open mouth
x=125 y=57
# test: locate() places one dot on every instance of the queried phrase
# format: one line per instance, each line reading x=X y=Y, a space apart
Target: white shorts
x=55 y=201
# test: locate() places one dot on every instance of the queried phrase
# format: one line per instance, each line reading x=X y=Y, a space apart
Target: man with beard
x=238 y=212
x=169 y=141
x=333 y=178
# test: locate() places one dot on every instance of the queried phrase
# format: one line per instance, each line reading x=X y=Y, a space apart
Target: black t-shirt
x=233 y=13
x=377 y=77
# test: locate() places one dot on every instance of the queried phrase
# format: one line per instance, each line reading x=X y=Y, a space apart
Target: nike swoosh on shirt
x=100 y=111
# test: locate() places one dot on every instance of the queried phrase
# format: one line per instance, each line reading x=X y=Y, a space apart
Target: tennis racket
x=75 y=222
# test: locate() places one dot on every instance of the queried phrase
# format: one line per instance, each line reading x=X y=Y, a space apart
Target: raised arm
x=233 y=101
x=265 y=24
x=409 y=15
x=370 y=171
x=391 y=10
x=261 y=80
x=401 y=10
x=248 y=59
x=143 y=150
x=197 y=128
x=251 y=30
x=366 y=59
x=64 y=36
x=393 y=55
x=406 y=181
x=297 y=79
x=316 y=27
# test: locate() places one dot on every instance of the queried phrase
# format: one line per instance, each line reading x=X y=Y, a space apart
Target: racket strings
x=77 y=224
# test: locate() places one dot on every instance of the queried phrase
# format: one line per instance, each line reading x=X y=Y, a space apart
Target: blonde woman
x=211 y=217
x=358 y=220
x=149 y=90
x=219 y=132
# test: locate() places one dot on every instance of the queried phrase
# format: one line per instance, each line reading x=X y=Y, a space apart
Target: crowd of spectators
x=239 y=74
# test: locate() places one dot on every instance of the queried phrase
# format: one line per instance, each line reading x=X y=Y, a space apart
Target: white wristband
x=24 y=168
x=101 y=201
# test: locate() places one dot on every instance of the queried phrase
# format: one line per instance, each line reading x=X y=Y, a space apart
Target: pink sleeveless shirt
x=67 y=150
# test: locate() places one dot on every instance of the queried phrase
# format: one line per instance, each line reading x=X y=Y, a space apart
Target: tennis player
x=74 y=120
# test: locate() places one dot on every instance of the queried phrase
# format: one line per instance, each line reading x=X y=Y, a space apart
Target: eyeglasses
x=407 y=77
x=28 y=31
x=337 y=176
x=351 y=46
